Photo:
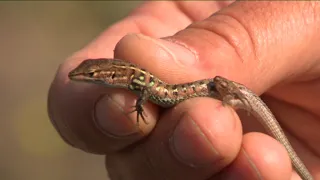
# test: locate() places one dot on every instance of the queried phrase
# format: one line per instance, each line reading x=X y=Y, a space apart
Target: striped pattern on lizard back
x=118 y=73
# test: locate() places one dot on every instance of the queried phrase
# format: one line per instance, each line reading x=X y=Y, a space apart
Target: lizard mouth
x=77 y=76
x=73 y=74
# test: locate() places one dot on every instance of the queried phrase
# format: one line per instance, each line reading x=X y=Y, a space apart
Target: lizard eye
x=113 y=76
x=91 y=74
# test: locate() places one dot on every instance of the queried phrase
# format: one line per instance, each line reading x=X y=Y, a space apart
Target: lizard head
x=99 y=71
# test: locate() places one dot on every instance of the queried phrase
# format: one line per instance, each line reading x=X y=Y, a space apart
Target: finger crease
x=252 y=165
x=250 y=38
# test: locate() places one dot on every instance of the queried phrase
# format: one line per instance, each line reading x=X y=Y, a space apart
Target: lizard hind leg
x=228 y=100
x=236 y=102
x=140 y=113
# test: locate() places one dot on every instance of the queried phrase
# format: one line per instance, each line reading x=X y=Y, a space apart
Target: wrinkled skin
x=271 y=47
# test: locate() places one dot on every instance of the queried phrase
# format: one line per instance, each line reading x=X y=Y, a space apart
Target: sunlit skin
x=271 y=47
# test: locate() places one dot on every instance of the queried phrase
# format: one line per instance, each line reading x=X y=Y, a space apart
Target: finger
x=194 y=140
x=159 y=24
x=82 y=115
x=269 y=161
x=227 y=44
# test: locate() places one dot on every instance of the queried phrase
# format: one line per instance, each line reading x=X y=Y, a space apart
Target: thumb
x=247 y=42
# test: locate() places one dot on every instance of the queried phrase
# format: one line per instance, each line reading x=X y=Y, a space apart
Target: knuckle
x=233 y=32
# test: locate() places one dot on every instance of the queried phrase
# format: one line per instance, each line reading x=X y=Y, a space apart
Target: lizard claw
x=140 y=113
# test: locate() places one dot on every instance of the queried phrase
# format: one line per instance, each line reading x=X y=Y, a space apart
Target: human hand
x=260 y=44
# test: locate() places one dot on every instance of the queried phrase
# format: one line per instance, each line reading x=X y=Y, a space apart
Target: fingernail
x=190 y=145
x=111 y=118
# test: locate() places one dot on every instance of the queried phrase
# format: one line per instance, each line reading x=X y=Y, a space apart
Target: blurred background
x=35 y=37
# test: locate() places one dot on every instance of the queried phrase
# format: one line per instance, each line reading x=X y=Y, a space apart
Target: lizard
x=116 y=73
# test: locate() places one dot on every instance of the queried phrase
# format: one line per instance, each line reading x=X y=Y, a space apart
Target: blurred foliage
x=35 y=37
